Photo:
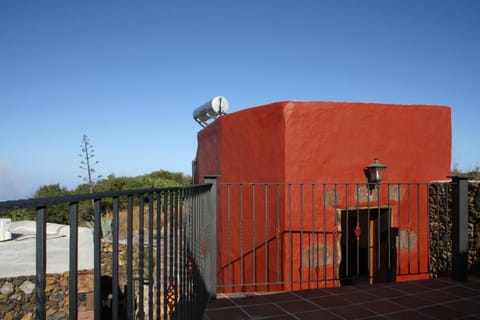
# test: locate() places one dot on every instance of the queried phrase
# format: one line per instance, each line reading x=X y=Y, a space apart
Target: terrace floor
x=440 y=298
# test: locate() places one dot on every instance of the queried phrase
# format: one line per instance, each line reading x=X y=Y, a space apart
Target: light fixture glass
x=374 y=173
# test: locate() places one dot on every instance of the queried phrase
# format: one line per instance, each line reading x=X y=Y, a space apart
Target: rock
x=3 y=298
x=7 y=288
x=59 y=315
x=50 y=310
x=28 y=307
x=10 y=307
x=50 y=284
x=57 y=296
x=9 y=316
x=16 y=296
x=27 y=287
x=28 y=316
x=64 y=280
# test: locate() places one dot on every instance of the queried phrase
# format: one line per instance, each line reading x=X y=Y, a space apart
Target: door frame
x=380 y=263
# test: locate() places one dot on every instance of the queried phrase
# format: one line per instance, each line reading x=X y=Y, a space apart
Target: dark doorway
x=368 y=246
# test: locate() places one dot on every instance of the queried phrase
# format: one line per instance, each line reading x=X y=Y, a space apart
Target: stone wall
x=440 y=216
x=17 y=294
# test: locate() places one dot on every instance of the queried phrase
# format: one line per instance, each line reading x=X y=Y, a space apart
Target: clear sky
x=129 y=73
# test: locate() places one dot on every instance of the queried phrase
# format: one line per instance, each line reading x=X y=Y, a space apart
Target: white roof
x=17 y=256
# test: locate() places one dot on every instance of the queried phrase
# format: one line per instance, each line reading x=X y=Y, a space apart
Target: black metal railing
x=284 y=236
x=168 y=272
x=183 y=245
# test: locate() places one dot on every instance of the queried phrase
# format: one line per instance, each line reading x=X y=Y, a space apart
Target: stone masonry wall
x=17 y=294
x=440 y=216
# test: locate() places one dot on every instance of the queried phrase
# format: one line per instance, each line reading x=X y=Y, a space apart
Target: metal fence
x=168 y=273
x=291 y=236
x=186 y=244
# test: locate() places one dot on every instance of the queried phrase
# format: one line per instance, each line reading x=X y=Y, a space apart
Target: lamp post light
x=374 y=173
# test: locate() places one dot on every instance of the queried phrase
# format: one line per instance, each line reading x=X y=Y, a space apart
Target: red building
x=294 y=209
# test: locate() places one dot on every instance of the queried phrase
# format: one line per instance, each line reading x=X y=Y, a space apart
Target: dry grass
x=123 y=220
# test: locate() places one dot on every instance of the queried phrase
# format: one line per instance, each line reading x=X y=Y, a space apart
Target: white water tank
x=211 y=110
x=5 y=233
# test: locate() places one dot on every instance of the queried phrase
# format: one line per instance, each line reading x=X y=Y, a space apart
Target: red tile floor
x=431 y=299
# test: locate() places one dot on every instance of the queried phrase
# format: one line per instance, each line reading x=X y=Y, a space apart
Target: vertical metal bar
x=379 y=228
x=115 y=293
x=189 y=231
x=97 y=259
x=335 y=253
x=181 y=251
x=345 y=233
x=158 y=264
x=165 y=254
x=254 y=251
x=190 y=245
x=389 y=227
x=195 y=244
x=418 y=227
x=186 y=248
x=129 y=292
x=278 y=234
x=41 y=262
x=301 y=235
x=150 y=255
x=73 y=268
x=198 y=236
x=313 y=245
x=409 y=226
x=229 y=236
x=241 y=236
x=141 y=252
x=431 y=232
x=175 y=244
x=290 y=231
x=171 y=254
x=369 y=244
x=325 y=245
x=265 y=235
x=198 y=255
x=183 y=255
x=399 y=244
x=359 y=235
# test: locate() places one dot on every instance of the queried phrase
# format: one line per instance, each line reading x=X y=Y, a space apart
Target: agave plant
x=105 y=224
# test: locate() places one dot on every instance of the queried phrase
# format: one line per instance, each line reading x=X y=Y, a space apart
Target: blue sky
x=129 y=73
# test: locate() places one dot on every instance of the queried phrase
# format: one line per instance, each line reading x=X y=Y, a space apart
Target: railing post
x=460 y=228
x=211 y=212
x=41 y=262
x=73 y=263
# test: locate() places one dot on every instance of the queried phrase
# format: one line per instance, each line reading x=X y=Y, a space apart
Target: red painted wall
x=327 y=141
x=296 y=142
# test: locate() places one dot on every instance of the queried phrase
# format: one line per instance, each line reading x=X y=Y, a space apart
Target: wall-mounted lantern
x=374 y=173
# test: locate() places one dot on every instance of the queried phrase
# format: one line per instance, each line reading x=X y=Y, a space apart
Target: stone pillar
x=460 y=228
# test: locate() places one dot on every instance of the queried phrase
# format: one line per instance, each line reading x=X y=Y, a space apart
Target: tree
x=472 y=174
x=56 y=213
x=88 y=163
